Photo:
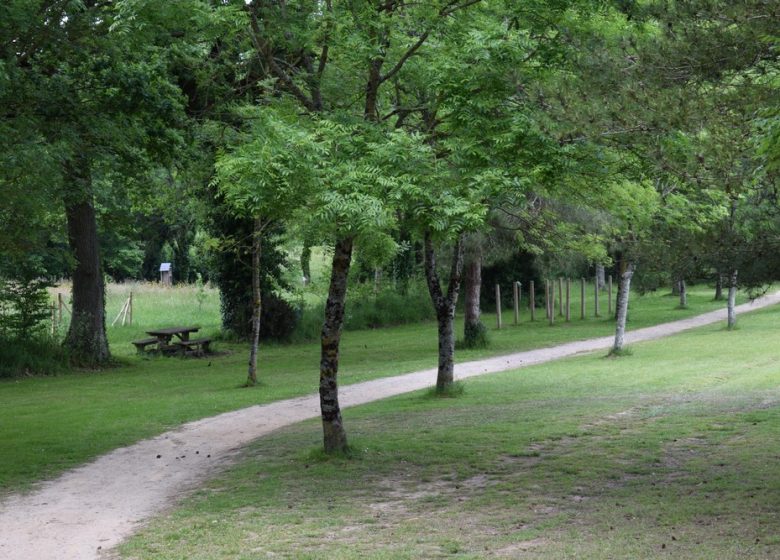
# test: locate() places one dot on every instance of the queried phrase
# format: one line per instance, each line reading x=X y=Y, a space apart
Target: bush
x=42 y=355
x=24 y=299
x=368 y=310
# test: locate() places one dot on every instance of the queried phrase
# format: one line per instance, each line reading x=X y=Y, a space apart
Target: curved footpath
x=90 y=509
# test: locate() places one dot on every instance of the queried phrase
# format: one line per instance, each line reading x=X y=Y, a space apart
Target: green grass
x=54 y=423
x=668 y=453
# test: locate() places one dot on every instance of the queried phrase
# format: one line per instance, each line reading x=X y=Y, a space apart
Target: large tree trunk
x=251 y=379
x=334 y=435
x=445 y=308
x=473 y=329
x=622 y=307
x=683 y=293
x=86 y=338
x=731 y=321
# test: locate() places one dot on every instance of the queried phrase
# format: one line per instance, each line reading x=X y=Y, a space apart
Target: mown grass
x=51 y=424
x=669 y=453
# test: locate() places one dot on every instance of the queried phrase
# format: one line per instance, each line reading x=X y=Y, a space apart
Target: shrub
x=41 y=355
x=366 y=309
x=24 y=299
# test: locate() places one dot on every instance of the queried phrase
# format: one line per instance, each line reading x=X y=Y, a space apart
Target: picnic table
x=162 y=339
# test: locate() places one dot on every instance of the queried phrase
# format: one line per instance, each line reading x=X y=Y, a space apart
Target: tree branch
x=265 y=51
x=446 y=10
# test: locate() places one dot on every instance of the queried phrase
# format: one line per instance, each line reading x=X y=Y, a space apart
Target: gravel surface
x=85 y=512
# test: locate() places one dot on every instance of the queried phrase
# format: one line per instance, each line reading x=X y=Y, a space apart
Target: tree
x=268 y=175
x=98 y=100
x=313 y=53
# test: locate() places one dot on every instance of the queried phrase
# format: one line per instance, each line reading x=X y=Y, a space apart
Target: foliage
x=370 y=309
x=229 y=266
x=41 y=355
x=24 y=300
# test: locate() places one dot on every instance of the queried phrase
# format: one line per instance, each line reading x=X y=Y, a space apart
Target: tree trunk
x=732 y=312
x=306 y=264
x=474 y=332
x=622 y=307
x=601 y=279
x=445 y=308
x=719 y=287
x=251 y=379
x=86 y=338
x=334 y=435
x=683 y=293
x=472 y=280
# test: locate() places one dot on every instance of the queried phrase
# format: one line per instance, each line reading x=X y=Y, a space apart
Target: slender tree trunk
x=86 y=338
x=601 y=279
x=251 y=379
x=474 y=332
x=719 y=287
x=683 y=293
x=472 y=280
x=306 y=264
x=445 y=308
x=622 y=307
x=732 y=302
x=334 y=435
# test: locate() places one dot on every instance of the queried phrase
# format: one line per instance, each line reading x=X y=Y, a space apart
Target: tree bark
x=334 y=435
x=622 y=307
x=86 y=338
x=601 y=279
x=731 y=321
x=306 y=264
x=683 y=293
x=445 y=308
x=472 y=280
x=251 y=379
x=719 y=287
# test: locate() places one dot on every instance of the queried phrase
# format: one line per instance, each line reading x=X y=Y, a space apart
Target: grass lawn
x=54 y=423
x=671 y=452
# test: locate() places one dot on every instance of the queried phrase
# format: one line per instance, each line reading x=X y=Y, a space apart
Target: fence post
x=568 y=300
x=59 y=305
x=609 y=293
x=532 y=300
x=516 y=297
x=53 y=319
x=498 y=306
x=582 y=298
x=130 y=311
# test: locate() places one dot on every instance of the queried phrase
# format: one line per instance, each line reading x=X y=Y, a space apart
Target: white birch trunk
x=732 y=303
x=622 y=308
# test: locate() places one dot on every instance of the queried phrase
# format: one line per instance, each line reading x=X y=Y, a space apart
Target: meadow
x=668 y=453
x=54 y=423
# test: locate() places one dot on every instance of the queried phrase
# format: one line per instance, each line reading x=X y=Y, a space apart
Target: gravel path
x=88 y=510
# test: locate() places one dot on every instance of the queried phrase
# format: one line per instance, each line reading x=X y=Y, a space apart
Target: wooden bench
x=198 y=346
x=141 y=345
